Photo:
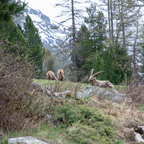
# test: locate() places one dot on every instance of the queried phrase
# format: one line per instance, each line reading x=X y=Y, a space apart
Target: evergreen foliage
x=86 y=125
x=49 y=61
x=9 y=8
x=97 y=27
x=35 y=46
x=20 y=28
x=93 y=53
x=9 y=31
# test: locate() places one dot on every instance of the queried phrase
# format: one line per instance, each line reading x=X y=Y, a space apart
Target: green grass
x=72 y=124
x=75 y=122
x=62 y=86
x=43 y=132
x=67 y=85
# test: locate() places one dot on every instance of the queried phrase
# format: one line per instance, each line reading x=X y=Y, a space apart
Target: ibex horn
x=97 y=73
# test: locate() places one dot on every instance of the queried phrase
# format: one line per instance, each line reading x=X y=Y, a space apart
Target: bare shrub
x=16 y=99
x=136 y=92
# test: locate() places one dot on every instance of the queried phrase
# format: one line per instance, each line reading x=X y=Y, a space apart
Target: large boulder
x=25 y=140
x=103 y=93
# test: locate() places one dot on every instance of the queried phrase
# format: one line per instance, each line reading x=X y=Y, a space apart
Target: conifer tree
x=99 y=56
x=36 y=49
x=9 y=8
x=10 y=32
x=92 y=38
x=97 y=27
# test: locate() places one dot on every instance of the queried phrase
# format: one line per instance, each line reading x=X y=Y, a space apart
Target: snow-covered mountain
x=50 y=34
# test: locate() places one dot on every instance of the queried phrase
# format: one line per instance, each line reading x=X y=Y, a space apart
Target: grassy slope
x=83 y=128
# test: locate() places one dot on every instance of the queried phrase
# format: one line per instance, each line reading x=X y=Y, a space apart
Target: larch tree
x=124 y=18
x=72 y=13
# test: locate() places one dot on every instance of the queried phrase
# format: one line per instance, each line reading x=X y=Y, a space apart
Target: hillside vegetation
x=31 y=105
x=82 y=121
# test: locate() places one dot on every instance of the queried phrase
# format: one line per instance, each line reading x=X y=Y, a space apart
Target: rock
x=47 y=87
x=63 y=94
x=139 y=138
x=48 y=118
x=103 y=93
x=25 y=140
x=129 y=134
x=37 y=86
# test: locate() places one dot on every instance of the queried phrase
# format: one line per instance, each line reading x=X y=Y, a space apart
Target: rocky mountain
x=50 y=34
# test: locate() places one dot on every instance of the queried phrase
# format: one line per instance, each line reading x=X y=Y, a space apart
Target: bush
x=85 y=134
x=136 y=92
x=68 y=114
x=16 y=99
x=85 y=124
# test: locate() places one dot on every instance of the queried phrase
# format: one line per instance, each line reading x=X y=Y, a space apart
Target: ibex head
x=92 y=76
x=60 y=75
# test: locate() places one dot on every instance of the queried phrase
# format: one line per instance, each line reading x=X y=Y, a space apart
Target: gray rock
x=48 y=87
x=139 y=138
x=63 y=94
x=25 y=140
x=48 y=118
x=37 y=86
x=103 y=93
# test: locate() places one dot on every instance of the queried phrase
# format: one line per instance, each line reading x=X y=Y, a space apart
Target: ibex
x=51 y=75
x=99 y=83
x=60 y=75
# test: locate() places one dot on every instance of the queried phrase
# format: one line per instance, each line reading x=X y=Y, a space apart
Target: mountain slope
x=49 y=33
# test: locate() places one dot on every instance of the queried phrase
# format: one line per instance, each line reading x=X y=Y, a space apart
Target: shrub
x=136 y=92
x=16 y=99
x=85 y=124
x=85 y=134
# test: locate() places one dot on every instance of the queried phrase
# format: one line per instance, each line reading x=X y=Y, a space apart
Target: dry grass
x=123 y=115
x=116 y=111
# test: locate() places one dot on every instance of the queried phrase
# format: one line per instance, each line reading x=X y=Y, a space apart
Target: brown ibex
x=51 y=75
x=60 y=75
x=99 y=83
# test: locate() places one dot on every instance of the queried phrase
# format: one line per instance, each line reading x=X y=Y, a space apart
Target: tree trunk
x=134 y=51
x=109 y=20
x=123 y=26
x=111 y=17
x=74 y=40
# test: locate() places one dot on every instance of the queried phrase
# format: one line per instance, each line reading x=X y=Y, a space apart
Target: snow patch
x=35 y=18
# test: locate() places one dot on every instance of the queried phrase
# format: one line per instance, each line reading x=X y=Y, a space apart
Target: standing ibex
x=60 y=75
x=95 y=82
x=51 y=75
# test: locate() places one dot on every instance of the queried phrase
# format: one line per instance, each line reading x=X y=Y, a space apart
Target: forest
x=110 y=39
